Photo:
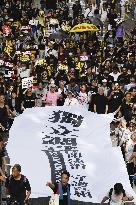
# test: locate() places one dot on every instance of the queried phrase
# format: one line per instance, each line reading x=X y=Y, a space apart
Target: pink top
x=51 y=98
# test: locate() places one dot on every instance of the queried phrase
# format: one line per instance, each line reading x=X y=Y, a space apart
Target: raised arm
x=104 y=200
x=51 y=185
x=128 y=198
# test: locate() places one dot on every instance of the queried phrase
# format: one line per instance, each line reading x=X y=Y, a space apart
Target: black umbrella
x=58 y=35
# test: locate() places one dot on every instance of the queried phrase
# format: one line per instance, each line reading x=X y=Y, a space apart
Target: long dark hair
x=118 y=188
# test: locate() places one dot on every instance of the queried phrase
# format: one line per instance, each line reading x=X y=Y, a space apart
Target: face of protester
x=1 y=78
x=125 y=44
x=89 y=71
x=61 y=85
x=2 y=99
x=101 y=91
x=93 y=83
x=11 y=88
x=15 y=172
x=67 y=45
x=72 y=73
x=81 y=37
x=106 y=73
x=78 y=50
x=133 y=93
x=124 y=71
x=50 y=45
x=52 y=89
x=107 y=64
x=61 y=50
x=61 y=97
x=64 y=179
x=104 y=7
x=83 y=89
x=14 y=95
x=133 y=137
x=70 y=96
x=128 y=98
x=29 y=91
x=131 y=59
x=116 y=87
x=104 y=84
x=1 y=144
x=44 y=75
x=115 y=70
x=132 y=127
x=32 y=57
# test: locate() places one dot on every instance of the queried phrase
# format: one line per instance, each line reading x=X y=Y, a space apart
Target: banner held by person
x=60 y=138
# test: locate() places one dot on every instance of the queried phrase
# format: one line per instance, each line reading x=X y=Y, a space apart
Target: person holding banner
x=18 y=187
x=100 y=102
x=117 y=195
x=62 y=188
x=71 y=100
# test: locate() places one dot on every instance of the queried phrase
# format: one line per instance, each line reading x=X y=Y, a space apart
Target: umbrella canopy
x=84 y=27
x=58 y=35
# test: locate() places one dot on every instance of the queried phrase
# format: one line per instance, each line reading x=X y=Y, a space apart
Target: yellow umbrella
x=84 y=27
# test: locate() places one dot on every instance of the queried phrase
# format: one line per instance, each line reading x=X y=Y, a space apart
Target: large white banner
x=47 y=140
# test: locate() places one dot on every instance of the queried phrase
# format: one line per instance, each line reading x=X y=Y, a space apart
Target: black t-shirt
x=60 y=102
x=29 y=101
x=126 y=110
x=130 y=66
x=2 y=154
x=115 y=101
x=17 y=188
x=93 y=91
x=100 y=101
x=124 y=78
x=3 y=117
x=65 y=194
x=1 y=87
x=134 y=150
x=134 y=99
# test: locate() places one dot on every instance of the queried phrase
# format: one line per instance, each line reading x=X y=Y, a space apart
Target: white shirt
x=88 y=12
x=106 y=91
x=129 y=149
x=122 y=2
x=71 y=102
x=33 y=22
x=115 y=76
x=126 y=135
x=115 y=199
x=60 y=91
x=103 y=15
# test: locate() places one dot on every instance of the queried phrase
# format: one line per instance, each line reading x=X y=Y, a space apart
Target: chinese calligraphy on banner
x=61 y=138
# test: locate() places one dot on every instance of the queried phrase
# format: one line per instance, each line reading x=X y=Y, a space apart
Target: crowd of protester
x=43 y=64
